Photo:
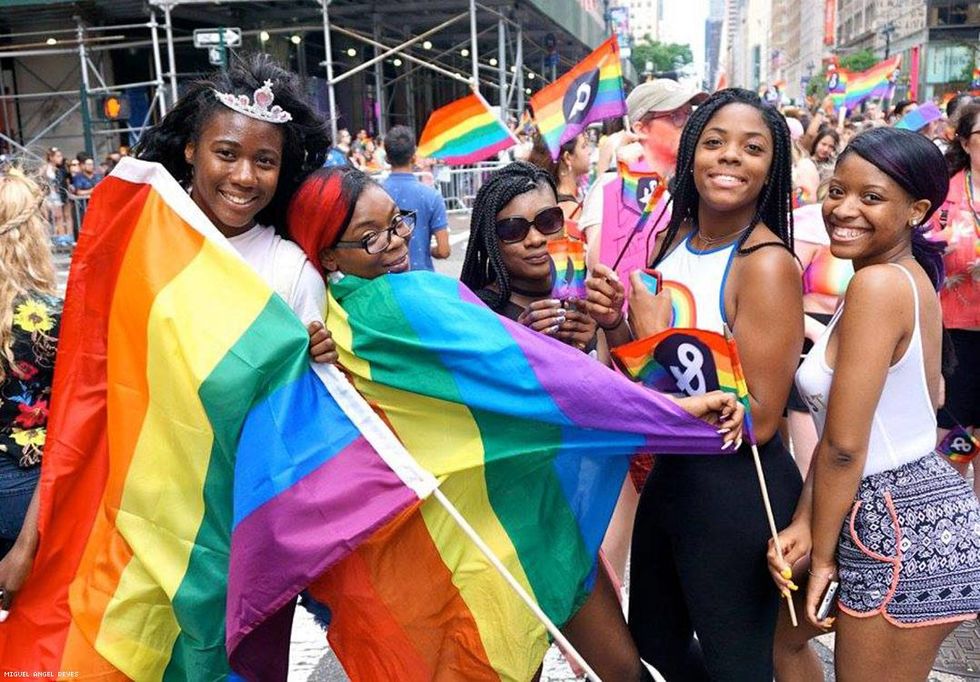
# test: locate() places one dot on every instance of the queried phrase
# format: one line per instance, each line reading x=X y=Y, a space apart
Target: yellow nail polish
x=786 y=594
x=792 y=586
x=787 y=573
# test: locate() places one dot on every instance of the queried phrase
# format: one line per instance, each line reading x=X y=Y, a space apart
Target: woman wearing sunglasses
x=515 y=215
x=348 y=224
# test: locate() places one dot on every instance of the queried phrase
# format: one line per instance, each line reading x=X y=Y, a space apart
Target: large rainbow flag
x=464 y=131
x=591 y=91
x=528 y=437
x=198 y=472
x=876 y=81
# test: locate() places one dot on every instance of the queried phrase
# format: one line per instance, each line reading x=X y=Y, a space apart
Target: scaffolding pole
x=502 y=66
x=86 y=114
x=519 y=70
x=171 y=61
x=379 y=87
x=473 y=47
x=328 y=58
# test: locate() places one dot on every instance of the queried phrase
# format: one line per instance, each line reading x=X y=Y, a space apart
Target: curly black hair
x=774 y=205
x=483 y=263
x=306 y=139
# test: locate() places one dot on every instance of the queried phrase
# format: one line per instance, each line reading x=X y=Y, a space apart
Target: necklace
x=971 y=200
x=710 y=242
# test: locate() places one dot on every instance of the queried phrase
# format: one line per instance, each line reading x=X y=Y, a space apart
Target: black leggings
x=699 y=564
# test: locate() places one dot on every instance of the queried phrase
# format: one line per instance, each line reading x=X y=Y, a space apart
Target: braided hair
x=483 y=263
x=774 y=205
x=305 y=139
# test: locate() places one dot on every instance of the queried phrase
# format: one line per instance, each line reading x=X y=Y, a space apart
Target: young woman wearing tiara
x=241 y=142
x=888 y=518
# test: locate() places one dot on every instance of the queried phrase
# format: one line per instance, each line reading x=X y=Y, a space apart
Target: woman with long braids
x=884 y=514
x=515 y=215
x=699 y=542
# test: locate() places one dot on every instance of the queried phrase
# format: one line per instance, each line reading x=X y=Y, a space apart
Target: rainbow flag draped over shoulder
x=530 y=440
x=876 y=81
x=689 y=362
x=591 y=91
x=464 y=131
x=199 y=472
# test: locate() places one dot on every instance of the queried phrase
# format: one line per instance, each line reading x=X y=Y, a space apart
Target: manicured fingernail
x=787 y=573
x=786 y=594
x=723 y=430
x=727 y=445
x=3 y=615
x=791 y=585
x=554 y=302
x=738 y=444
x=552 y=330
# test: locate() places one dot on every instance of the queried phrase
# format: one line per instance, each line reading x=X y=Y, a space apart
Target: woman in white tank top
x=888 y=518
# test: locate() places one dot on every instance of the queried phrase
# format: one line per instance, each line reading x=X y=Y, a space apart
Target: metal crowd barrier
x=79 y=205
x=459 y=184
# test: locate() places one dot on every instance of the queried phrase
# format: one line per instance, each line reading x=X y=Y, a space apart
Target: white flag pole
x=464 y=525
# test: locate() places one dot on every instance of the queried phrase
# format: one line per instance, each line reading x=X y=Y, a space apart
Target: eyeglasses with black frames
x=403 y=224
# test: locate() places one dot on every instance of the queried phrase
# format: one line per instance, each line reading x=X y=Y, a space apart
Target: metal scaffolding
x=88 y=40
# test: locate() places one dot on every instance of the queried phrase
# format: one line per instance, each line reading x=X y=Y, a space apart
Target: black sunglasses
x=548 y=221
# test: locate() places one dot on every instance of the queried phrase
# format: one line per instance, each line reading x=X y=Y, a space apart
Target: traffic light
x=115 y=107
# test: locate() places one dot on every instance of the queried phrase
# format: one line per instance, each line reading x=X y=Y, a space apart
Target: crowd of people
x=843 y=255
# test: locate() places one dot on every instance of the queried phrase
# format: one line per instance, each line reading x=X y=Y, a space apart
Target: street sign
x=211 y=37
x=216 y=56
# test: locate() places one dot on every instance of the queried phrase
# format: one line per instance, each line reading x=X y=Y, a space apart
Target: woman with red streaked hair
x=347 y=224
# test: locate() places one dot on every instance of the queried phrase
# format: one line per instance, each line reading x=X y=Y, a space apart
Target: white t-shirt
x=308 y=295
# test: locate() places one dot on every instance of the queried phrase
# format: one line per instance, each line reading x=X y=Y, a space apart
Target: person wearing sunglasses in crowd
x=515 y=215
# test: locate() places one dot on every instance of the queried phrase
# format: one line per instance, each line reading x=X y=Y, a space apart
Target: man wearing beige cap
x=657 y=111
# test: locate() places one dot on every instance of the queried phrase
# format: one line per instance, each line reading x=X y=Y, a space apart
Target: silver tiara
x=260 y=107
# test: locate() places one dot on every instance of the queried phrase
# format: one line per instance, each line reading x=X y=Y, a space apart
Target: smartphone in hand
x=652 y=280
x=827 y=603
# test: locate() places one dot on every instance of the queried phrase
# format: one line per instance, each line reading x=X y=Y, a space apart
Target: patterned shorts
x=910 y=548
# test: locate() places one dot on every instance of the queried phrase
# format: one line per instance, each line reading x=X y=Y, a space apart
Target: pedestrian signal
x=115 y=108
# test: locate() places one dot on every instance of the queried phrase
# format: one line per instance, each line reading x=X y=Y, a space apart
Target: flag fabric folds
x=464 y=131
x=199 y=472
x=591 y=91
x=529 y=439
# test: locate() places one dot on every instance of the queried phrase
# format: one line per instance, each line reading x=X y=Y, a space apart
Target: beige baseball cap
x=662 y=94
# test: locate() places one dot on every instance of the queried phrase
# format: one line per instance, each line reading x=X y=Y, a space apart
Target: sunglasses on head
x=548 y=221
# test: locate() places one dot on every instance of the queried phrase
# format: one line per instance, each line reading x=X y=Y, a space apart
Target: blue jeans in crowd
x=16 y=488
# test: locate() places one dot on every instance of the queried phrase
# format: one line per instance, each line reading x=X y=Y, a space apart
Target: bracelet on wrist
x=831 y=576
x=615 y=325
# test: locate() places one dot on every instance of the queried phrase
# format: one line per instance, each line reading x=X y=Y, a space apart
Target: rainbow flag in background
x=876 y=81
x=528 y=437
x=464 y=131
x=590 y=91
x=199 y=472
x=959 y=446
x=664 y=363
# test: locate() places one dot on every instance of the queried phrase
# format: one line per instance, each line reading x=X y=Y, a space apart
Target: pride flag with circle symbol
x=199 y=472
x=689 y=362
x=590 y=91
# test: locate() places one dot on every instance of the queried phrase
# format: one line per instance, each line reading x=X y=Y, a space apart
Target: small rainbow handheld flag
x=464 y=131
x=837 y=86
x=959 y=446
x=642 y=187
x=591 y=91
x=874 y=82
x=568 y=258
x=689 y=362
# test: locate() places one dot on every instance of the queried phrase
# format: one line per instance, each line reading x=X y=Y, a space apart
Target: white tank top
x=903 y=428
x=696 y=282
